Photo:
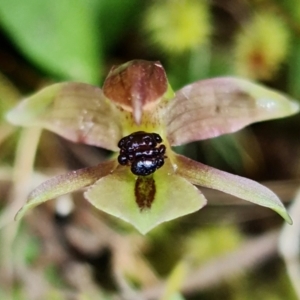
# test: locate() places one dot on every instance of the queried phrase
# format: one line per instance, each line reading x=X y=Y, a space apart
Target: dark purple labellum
x=141 y=151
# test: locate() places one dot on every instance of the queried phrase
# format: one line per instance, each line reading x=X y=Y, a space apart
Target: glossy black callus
x=141 y=151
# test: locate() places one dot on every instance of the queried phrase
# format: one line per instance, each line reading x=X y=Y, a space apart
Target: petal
x=202 y=175
x=66 y=183
x=77 y=111
x=145 y=202
x=212 y=107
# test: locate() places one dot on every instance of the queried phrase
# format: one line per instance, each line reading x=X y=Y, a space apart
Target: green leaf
x=176 y=296
x=64 y=184
x=175 y=282
x=76 y=111
x=121 y=12
x=203 y=175
x=148 y=201
x=61 y=36
x=294 y=66
x=209 y=108
x=8 y=95
x=8 y=98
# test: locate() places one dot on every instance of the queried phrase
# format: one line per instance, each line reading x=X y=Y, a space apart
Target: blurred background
x=65 y=249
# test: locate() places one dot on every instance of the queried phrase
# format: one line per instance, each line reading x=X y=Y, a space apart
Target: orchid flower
x=137 y=115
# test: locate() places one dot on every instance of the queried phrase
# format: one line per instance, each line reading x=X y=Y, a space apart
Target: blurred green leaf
x=60 y=36
x=8 y=95
x=225 y=148
x=115 y=16
x=31 y=250
x=177 y=296
x=294 y=68
x=175 y=281
x=201 y=244
x=8 y=98
x=291 y=8
x=189 y=67
x=220 y=65
x=53 y=276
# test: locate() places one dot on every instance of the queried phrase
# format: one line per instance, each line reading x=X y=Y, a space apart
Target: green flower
x=177 y=26
x=258 y=51
x=136 y=101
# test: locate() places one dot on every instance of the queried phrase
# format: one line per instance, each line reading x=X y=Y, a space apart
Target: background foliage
x=228 y=249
